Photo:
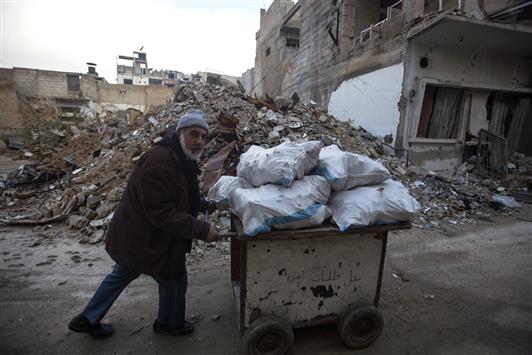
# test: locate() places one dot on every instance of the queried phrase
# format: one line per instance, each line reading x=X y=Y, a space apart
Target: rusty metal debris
x=215 y=166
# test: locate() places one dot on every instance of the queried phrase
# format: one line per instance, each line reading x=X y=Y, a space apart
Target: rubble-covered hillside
x=78 y=176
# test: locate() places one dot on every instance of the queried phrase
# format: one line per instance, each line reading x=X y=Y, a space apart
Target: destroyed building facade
x=59 y=94
x=134 y=70
x=426 y=75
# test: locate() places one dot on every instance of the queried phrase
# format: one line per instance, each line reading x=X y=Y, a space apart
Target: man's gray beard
x=187 y=151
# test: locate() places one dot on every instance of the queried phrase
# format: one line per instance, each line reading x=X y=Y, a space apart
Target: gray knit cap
x=192 y=118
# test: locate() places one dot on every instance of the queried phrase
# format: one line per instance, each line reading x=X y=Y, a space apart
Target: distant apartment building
x=134 y=70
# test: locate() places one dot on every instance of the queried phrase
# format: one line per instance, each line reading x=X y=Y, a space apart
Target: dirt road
x=464 y=290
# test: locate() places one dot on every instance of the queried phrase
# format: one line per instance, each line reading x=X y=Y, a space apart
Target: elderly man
x=152 y=230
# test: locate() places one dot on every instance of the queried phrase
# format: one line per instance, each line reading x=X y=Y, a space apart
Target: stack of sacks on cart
x=300 y=185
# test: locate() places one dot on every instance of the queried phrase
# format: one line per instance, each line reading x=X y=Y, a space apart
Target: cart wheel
x=269 y=335
x=360 y=325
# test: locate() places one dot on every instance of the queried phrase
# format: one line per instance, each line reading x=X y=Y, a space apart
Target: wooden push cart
x=289 y=279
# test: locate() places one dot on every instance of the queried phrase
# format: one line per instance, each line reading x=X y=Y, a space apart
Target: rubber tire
x=361 y=315
x=268 y=335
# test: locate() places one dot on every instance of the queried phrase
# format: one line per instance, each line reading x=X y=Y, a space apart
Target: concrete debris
x=78 y=171
x=93 y=201
x=283 y=103
x=96 y=237
x=77 y=221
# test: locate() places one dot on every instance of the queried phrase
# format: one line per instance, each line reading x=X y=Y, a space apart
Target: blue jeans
x=171 y=296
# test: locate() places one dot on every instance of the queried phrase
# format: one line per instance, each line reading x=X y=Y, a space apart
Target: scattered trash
x=507 y=201
x=295 y=125
x=153 y=121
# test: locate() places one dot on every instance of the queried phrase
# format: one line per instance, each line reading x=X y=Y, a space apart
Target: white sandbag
x=301 y=205
x=313 y=149
x=322 y=214
x=279 y=165
x=345 y=170
x=383 y=203
x=222 y=190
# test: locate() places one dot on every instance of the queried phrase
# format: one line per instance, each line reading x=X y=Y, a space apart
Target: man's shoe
x=186 y=329
x=81 y=324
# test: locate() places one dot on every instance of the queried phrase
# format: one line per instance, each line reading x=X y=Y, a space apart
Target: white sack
x=279 y=165
x=345 y=170
x=223 y=189
x=387 y=202
x=301 y=205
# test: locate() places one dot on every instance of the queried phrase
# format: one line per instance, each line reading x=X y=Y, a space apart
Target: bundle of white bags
x=384 y=203
x=346 y=170
x=280 y=165
x=289 y=187
x=301 y=205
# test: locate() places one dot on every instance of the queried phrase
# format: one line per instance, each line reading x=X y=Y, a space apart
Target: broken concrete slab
x=77 y=221
x=93 y=201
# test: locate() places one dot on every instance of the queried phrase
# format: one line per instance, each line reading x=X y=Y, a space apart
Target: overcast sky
x=184 y=35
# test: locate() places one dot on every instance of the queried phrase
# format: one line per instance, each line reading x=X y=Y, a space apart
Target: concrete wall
x=319 y=67
x=272 y=58
x=315 y=50
x=370 y=100
x=157 y=95
x=42 y=83
x=248 y=80
x=89 y=87
x=114 y=97
x=10 y=118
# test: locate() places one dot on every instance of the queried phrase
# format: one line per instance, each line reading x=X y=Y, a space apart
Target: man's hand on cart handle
x=213 y=235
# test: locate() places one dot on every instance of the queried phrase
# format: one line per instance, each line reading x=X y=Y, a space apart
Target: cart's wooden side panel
x=307 y=279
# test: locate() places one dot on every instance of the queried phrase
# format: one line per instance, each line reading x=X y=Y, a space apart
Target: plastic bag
x=345 y=170
x=507 y=201
x=384 y=203
x=280 y=165
x=223 y=189
x=301 y=205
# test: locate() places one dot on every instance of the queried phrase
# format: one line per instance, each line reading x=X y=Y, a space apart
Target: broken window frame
x=463 y=117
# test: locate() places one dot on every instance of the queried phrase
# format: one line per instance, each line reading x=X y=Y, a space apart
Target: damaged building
x=134 y=70
x=438 y=80
x=69 y=95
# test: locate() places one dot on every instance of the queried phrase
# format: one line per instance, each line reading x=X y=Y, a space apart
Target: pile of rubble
x=81 y=182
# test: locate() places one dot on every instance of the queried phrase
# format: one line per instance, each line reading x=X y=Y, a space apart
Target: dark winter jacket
x=154 y=224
